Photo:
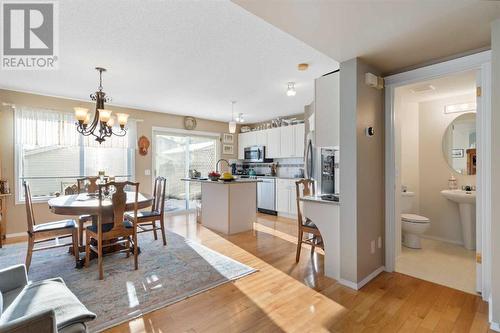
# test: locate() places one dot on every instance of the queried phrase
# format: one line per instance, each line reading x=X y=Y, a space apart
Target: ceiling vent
x=422 y=88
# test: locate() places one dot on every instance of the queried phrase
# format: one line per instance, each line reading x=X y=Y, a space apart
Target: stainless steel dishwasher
x=266 y=196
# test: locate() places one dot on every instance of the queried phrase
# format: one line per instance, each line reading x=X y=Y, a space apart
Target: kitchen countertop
x=318 y=199
x=274 y=177
x=236 y=181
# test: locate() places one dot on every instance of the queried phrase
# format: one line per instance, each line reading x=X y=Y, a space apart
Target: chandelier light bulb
x=111 y=122
x=81 y=114
x=122 y=119
x=291 y=89
x=104 y=115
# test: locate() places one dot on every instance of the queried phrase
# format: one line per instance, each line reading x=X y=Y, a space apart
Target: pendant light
x=232 y=123
x=291 y=89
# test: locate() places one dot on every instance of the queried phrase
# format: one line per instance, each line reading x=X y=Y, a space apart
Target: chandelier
x=102 y=124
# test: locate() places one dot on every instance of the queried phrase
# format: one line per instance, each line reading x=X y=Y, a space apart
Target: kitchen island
x=228 y=207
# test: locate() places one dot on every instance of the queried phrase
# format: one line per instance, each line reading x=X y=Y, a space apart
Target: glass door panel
x=174 y=155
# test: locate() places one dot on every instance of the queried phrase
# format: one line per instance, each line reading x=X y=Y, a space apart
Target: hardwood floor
x=288 y=297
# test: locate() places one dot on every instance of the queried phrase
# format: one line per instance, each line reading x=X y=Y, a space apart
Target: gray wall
x=362 y=176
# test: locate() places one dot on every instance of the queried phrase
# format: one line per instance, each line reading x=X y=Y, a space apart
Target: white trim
x=495 y=327
x=481 y=62
x=362 y=283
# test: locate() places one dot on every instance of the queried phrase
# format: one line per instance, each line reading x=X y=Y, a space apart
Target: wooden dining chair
x=146 y=220
x=305 y=187
x=120 y=231
x=45 y=232
x=85 y=185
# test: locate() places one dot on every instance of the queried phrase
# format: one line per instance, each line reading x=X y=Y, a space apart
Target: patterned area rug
x=167 y=274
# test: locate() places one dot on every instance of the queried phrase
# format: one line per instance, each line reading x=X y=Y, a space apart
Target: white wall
x=434 y=170
x=495 y=174
x=410 y=177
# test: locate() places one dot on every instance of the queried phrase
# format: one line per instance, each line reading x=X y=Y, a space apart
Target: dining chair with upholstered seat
x=85 y=185
x=146 y=220
x=45 y=232
x=305 y=187
x=120 y=231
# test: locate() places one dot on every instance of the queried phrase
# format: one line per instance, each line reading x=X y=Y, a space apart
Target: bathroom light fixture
x=232 y=123
x=463 y=107
x=291 y=89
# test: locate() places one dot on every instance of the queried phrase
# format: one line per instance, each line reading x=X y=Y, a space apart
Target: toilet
x=412 y=225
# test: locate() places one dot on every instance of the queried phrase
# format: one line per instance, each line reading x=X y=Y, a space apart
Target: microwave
x=256 y=154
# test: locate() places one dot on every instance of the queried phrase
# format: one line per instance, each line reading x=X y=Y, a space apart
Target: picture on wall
x=228 y=138
x=227 y=149
x=457 y=153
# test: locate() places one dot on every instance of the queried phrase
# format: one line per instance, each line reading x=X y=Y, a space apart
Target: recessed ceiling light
x=302 y=66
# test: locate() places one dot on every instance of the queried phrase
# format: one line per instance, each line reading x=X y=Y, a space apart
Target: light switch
x=147 y=172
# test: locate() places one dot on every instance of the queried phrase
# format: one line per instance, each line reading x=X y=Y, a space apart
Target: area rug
x=167 y=274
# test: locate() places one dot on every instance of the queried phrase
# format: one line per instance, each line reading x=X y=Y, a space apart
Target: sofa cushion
x=46 y=295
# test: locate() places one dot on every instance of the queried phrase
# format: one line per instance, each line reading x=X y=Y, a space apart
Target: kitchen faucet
x=217 y=164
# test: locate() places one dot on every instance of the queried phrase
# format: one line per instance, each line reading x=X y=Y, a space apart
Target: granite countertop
x=318 y=199
x=236 y=181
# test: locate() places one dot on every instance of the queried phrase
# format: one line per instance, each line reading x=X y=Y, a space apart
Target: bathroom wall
x=410 y=176
x=434 y=171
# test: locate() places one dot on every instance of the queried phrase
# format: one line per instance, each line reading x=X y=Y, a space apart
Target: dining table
x=88 y=204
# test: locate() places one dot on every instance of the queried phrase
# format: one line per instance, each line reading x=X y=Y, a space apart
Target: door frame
x=215 y=135
x=482 y=63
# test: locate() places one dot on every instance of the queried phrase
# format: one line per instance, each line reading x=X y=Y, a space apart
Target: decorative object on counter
x=252 y=173
x=290 y=91
x=213 y=175
x=193 y=173
x=189 y=123
x=228 y=138
x=143 y=144
x=274 y=167
x=227 y=150
x=232 y=123
x=245 y=129
x=101 y=126
x=4 y=186
x=227 y=177
x=452 y=183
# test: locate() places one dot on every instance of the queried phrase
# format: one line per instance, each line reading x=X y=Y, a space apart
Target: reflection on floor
x=440 y=262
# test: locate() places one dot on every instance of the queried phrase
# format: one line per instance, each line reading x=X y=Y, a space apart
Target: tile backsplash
x=287 y=167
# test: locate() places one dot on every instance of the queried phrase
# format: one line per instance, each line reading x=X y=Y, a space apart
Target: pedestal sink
x=466 y=201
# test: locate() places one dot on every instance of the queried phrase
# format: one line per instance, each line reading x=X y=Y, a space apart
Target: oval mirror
x=459 y=144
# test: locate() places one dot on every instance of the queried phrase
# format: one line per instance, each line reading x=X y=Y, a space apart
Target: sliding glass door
x=177 y=152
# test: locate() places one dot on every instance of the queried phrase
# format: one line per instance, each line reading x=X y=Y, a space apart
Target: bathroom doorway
x=434 y=231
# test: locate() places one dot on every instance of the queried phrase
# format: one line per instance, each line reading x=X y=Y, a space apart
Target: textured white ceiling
x=390 y=34
x=447 y=86
x=182 y=57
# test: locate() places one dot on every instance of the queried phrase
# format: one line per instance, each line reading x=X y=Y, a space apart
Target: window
x=51 y=154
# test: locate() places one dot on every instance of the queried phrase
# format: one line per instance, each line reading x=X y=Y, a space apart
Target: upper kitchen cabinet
x=261 y=138
x=287 y=138
x=245 y=140
x=299 y=133
x=327 y=110
x=273 y=148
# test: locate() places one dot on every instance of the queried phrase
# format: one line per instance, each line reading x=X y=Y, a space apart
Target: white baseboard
x=360 y=284
x=495 y=327
x=441 y=239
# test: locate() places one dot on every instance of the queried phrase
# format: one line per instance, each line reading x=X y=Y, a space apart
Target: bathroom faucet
x=217 y=164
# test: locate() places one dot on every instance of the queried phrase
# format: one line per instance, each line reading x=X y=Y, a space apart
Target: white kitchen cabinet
x=327 y=110
x=299 y=136
x=286 y=197
x=282 y=196
x=261 y=138
x=245 y=140
x=287 y=138
x=273 y=148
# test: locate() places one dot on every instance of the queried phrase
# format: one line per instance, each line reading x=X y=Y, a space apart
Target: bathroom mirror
x=459 y=144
